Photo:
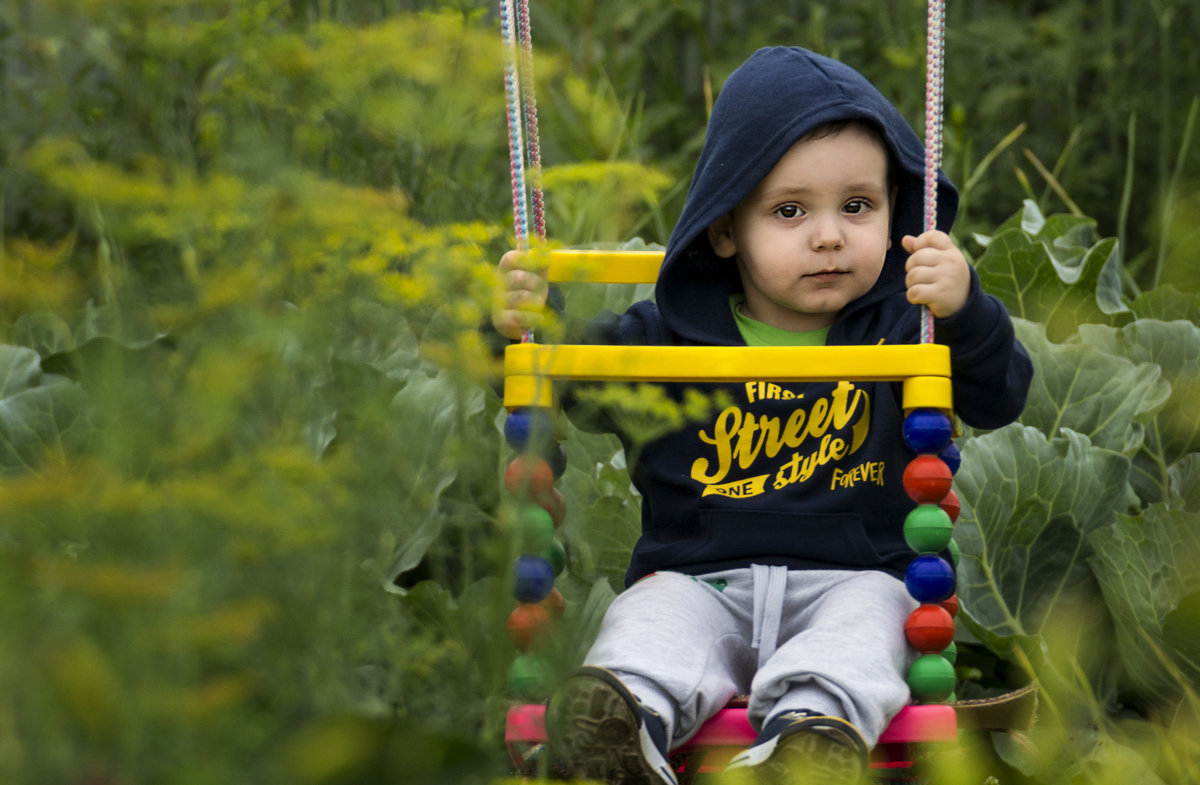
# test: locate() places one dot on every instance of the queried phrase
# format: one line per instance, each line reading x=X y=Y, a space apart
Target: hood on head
x=767 y=104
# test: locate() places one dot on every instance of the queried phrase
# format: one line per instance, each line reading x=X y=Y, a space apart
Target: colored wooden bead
x=951 y=505
x=950 y=653
x=556 y=555
x=528 y=426
x=533 y=579
x=556 y=455
x=951 y=457
x=528 y=677
x=955 y=552
x=927 y=430
x=927 y=529
x=553 y=502
x=535 y=528
x=951 y=605
x=527 y=624
x=555 y=603
x=929 y=578
x=929 y=628
x=931 y=678
x=528 y=475
x=926 y=479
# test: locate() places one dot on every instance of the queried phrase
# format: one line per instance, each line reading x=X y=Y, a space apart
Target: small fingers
x=933 y=239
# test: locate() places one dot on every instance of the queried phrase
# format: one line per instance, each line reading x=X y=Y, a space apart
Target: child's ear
x=720 y=237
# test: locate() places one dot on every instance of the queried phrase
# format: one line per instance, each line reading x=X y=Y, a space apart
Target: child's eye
x=857 y=206
x=789 y=211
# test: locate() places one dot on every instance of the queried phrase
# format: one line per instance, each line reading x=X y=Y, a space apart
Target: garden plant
x=252 y=526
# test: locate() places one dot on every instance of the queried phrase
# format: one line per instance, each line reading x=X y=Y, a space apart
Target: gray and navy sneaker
x=804 y=747
x=600 y=730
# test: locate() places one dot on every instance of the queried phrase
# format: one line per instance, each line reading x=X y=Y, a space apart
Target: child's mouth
x=826 y=275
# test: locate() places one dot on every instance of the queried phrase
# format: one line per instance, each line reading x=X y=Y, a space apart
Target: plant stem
x=1053 y=182
x=1173 y=188
x=1126 y=192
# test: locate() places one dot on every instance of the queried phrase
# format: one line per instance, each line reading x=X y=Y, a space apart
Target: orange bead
x=555 y=603
x=929 y=628
x=526 y=624
x=927 y=479
x=528 y=475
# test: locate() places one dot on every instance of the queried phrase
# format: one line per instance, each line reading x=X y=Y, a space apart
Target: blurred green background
x=252 y=526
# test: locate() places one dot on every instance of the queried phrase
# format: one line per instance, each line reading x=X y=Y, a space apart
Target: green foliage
x=1080 y=522
x=251 y=526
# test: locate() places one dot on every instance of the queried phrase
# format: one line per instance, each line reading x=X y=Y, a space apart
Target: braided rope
x=935 y=65
x=516 y=140
x=531 y=120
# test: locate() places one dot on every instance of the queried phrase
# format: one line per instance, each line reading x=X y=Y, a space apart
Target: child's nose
x=826 y=234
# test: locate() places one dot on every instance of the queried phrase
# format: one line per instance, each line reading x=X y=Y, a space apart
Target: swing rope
x=522 y=125
x=935 y=65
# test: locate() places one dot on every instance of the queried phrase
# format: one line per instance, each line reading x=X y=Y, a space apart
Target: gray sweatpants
x=831 y=641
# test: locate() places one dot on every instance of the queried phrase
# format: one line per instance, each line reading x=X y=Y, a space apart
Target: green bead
x=955 y=552
x=556 y=554
x=528 y=677
x=535 y=528
x=927 y=529
x=950 y=653
x=931 y=678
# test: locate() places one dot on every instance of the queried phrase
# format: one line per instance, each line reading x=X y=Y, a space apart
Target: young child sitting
x=771 y=557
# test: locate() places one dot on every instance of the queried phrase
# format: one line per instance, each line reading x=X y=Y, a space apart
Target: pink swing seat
x=729 y=732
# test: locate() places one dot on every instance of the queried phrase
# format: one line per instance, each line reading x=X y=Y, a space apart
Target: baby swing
x=530 y=370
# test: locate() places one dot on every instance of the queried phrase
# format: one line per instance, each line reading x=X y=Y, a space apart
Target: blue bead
x=929 y=578
x=534 y=579
x=526 y=425
x=926 y=430
x=951 y=457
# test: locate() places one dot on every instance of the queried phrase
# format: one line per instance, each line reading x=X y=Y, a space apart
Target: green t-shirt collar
x=756 y=333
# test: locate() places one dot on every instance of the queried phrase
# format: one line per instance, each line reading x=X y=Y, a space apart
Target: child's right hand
x=521 y=292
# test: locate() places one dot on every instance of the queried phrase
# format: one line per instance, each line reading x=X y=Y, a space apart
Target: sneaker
x=804 y=747
x=599 y=729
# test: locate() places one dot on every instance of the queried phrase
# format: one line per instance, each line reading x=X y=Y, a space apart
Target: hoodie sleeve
x=991 y=369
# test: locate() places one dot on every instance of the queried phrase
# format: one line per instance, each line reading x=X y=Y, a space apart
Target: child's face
x=813 y=235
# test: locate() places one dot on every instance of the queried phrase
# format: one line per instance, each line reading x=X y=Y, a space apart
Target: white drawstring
x=770 y=587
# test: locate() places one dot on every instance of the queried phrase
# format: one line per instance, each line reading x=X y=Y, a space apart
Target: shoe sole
x=820 y=750
x=818 y=759
x=595 y=724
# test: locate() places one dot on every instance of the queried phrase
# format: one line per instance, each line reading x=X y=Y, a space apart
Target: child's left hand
x=938 y=274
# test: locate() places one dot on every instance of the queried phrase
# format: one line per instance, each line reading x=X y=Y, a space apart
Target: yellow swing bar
x=531 y=368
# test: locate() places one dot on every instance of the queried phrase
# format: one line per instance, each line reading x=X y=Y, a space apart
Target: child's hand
x=520 y=295
x=938 y=274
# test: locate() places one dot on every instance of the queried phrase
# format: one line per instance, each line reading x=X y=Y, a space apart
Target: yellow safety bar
x=604 y=266
x=530 y=368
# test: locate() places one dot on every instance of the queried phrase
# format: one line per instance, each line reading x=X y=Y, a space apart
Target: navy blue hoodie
x=802 y=475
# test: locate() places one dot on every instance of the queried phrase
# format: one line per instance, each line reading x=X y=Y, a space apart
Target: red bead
x=553 y=502
x=950 y=504
x=526 y=624
x=927 y=479
x=929 y=628
x=950 y=604
x=528 y=475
